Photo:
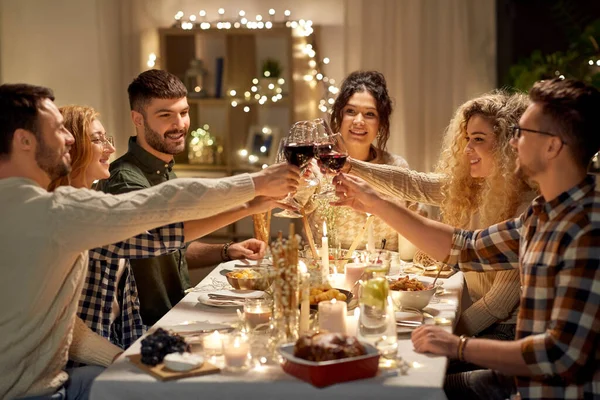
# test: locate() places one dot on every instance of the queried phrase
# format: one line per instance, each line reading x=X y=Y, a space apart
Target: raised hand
x=354 y=192
x=276 y=180
x=252 y=249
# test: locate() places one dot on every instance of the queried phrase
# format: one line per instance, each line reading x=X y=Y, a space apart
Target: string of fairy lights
x=260 y=92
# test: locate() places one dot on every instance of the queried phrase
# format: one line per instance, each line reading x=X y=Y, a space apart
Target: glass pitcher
x=377 y=323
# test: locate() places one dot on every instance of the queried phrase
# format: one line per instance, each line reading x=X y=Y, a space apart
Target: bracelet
x=461 y=347
x=225 y=252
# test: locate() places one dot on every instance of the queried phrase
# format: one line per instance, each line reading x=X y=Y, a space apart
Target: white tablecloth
x=424 y=380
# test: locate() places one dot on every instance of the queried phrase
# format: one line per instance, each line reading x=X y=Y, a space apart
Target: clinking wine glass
x=298 y=149
x=332 y=154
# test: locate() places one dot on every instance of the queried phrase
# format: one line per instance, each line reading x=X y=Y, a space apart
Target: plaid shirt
x=556 y=244
x=101 y=286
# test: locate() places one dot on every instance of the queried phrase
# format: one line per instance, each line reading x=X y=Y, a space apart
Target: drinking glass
x=298 y=149
x=332 y=153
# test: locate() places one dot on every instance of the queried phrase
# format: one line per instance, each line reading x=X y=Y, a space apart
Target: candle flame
x=216 y=335
x=333 y=301
x=324 y=229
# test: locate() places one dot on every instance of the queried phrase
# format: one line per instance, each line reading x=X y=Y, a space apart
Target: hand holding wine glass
x=297 y=149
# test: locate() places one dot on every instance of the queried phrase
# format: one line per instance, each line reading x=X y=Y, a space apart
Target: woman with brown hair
x=475 y=187
x=361 y=114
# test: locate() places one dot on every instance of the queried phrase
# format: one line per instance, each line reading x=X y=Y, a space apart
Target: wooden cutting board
x=446 y=273
x=162 y=373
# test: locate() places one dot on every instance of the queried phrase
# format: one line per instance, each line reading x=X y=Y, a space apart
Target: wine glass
x=297 y=148
x=332 y=153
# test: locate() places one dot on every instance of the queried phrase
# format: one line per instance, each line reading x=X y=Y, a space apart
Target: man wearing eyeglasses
x=555 y=244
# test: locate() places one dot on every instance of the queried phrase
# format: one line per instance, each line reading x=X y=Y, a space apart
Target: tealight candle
x=257 y=312
x=235 y=351
x=332 y=316
x=213 y=343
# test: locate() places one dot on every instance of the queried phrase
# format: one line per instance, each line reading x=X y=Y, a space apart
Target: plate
x=326 y=373
x=242 y=295
x=348 y=294
x=407 y=316
x=189 y=327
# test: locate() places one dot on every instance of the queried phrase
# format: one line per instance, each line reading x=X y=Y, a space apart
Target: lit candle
x=352 y=323
x=213 y=343
x=371 y=236
x=332 y=316
x=257 y=312
x=305 y=296
x=235 y=351
x=325 y=253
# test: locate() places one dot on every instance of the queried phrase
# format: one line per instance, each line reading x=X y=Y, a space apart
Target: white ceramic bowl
x=418 y=299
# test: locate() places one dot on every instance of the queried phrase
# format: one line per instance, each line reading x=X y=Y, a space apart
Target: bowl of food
x=249 y=279
x=411 y=293
x=323 y=359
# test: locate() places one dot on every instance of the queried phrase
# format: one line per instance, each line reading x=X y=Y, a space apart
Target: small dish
x=257 y=279
x=229 y=298
x=181 y=362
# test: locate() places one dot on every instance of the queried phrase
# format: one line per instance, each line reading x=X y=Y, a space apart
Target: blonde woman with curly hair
x=475 y=187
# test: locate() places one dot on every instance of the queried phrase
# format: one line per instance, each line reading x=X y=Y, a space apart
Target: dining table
x=421 y=376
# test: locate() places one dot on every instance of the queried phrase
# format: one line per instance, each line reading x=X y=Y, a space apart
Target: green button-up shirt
x=161 y=281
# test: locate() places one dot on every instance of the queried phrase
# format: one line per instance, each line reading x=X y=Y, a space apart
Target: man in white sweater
x=46 y=235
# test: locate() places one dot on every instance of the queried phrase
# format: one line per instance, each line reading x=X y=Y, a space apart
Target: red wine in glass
x=333 y=161
x=299 y=154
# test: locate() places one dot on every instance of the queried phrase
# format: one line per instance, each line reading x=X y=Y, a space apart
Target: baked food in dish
x=325 y=346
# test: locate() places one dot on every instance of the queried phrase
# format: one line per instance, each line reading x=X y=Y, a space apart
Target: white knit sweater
x=43 y=260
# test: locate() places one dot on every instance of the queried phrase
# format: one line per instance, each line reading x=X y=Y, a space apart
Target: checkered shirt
x=556 y=245
x=101 y=285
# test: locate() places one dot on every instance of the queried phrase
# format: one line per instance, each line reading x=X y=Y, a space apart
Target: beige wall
x=89 y=50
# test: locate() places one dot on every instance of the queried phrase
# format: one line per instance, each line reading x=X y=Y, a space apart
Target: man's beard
x=54 y=168
x=157 y=140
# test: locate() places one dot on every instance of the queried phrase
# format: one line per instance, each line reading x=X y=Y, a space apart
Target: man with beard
x=555 y=243
x=160 y=113
x=45 y=238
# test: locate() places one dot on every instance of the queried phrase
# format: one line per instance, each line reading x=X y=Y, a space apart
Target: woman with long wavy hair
x=475 y=187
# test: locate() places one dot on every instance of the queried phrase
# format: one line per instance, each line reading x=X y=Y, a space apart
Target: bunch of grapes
x=157 y=345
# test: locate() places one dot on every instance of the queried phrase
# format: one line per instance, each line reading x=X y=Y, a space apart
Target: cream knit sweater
x=43 y=259
x=495 y=294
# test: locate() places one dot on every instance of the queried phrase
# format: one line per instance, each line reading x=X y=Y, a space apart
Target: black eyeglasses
x=516 y=131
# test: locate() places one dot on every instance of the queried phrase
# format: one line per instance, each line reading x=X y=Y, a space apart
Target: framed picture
x=262 y=142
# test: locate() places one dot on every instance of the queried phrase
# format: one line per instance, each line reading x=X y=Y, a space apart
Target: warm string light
x=259 y=94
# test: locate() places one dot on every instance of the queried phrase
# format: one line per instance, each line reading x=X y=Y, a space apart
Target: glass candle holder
x=236 y=352
x=257 y=313
x=212 y=344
